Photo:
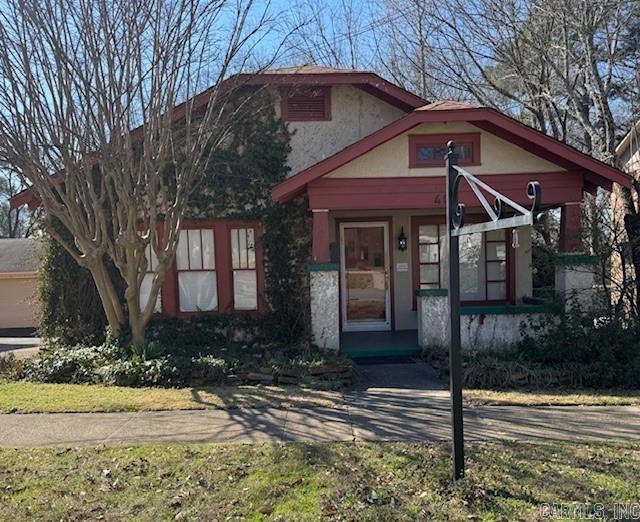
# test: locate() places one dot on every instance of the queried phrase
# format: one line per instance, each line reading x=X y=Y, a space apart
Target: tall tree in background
x=332 y=34
x=13 y=222
x=75 y=77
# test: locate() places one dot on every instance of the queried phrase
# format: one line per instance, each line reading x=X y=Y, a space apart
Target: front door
x=364 y=273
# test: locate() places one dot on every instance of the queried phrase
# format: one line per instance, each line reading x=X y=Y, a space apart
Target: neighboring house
x=19 y=260
x=369 y=157
x=628 y=151
x=628 y=159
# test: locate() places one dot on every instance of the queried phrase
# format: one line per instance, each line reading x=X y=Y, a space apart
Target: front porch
x=393 y=343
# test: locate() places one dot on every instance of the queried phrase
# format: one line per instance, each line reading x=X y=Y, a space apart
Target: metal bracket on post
x=456 y=228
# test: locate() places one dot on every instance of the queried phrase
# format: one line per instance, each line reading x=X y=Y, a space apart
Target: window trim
x=214 y=269
x=284 y=103
x=416 y=221
x=247 y=269
x=440 y=140
x=224 y=273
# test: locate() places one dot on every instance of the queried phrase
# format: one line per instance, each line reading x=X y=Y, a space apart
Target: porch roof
x=593 y=173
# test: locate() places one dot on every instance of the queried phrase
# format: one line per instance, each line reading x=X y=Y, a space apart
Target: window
x=195 y=261
x=145 y=287
x=430 y=247
x=428 y=150
x=306 y=103
x=484 y=262
x=243 y=266
x=483 y=267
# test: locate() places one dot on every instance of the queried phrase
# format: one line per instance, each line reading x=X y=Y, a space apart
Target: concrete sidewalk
x=371 y=415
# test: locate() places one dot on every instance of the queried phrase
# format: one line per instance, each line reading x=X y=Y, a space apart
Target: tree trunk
x=108 y=296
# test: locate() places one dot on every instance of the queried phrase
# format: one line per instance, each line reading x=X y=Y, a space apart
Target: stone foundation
x=574 y=278
x=325 y=305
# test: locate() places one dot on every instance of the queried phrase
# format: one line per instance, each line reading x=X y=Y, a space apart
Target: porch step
x=398 y=343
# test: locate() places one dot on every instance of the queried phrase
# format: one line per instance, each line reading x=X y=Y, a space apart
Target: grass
x=552 y=397
x=26 y=397
x=319 y=481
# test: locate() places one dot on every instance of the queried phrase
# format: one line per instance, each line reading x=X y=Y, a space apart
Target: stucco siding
x=391 y=159
x=18 y=303
x=354 y=115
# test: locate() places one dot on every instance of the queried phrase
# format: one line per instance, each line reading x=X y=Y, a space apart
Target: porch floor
x=359 y=345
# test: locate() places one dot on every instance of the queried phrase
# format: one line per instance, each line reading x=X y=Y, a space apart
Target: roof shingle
x=19 y=255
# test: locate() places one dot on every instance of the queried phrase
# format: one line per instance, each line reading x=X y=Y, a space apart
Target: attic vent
x=306 y=103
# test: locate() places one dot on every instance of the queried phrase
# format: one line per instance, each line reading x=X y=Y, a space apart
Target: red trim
x=224 y=273
x=485 y=118
x=429 y=192
x=389 y=221
x=285 y=97
x=571 y=228
x=416 y=221
x=367 y=81
x=321 y=252
x=417 y=141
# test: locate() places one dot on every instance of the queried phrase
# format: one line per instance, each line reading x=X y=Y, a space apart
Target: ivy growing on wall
x=237 y=185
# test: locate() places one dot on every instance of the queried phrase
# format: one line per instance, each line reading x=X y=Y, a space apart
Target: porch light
x=402 y=240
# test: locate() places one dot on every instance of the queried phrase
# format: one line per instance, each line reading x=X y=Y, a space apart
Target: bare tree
x=13 y=222
x=76 y=77
x=333 y=34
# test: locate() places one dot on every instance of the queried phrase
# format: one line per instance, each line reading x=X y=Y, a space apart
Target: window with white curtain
x=145 y=287
x=195 y=262
x=243 y=265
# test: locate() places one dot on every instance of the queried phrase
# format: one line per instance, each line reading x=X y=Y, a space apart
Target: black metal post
x=455 y=357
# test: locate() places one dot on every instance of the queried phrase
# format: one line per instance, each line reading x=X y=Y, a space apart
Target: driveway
x=399 y=403
x=20 y=342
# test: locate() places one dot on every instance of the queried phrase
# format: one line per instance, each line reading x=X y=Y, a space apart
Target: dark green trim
x=575 y=259
x=432 y=292
x=323 y=267
x=503 y=309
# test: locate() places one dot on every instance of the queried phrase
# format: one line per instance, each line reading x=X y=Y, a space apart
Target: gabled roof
x=630 y=138
x=285 y=76
x=315 y=75
x=595 y=172
x=19 y=255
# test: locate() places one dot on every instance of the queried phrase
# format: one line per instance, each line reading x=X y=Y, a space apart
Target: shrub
x=10 y=366
x=154 y=364
x=576 y=348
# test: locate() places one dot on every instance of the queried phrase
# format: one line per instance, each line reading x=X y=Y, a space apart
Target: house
x=19 y=259
x=368 y=157
x=628 y=151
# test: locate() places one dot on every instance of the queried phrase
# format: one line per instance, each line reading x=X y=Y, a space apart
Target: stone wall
x=484 y=326
x=325 y=306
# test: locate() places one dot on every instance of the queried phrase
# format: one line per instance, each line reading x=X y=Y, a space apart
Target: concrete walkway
x=417 y=411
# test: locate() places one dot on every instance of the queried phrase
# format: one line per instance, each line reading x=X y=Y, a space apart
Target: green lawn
x=306 y=482
x=552 y=397
x=26 y=397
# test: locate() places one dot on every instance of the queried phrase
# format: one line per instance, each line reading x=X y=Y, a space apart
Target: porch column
x=320 y=253
x=325 y=305
x=324 y=283
x=574 y=267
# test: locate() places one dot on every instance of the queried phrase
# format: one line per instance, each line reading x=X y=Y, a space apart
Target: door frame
x=366 y=326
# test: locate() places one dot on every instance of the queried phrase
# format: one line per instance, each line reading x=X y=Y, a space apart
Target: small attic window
x=429 y=150
x=306 y=103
